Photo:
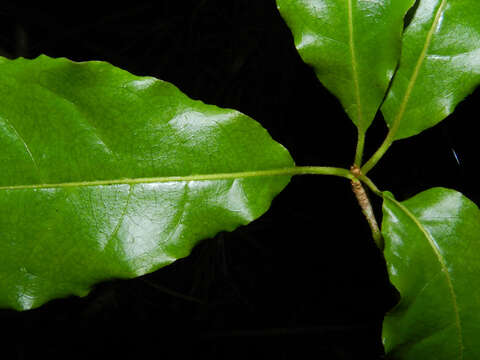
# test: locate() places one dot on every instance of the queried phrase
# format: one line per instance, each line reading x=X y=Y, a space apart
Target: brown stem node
x=366 y=207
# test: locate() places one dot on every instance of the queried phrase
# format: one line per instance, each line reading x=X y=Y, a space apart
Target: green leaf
x=433 y=255
x=439 y=66
x=353 y=46
x=108 y=175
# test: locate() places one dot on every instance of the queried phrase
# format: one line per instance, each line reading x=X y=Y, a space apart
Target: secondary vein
x=25 y=145
x=122 y=217
x=443 y=265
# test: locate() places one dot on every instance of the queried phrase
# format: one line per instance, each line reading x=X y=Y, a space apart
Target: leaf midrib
x=443 y=265
x=149 y=180
x=416 y=71
x=354 y=62
x=290 y=171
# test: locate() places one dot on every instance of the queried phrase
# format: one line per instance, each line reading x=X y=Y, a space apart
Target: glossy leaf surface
x=439 y=66
x=433 y=255
x=353 y=46
x=104 y=175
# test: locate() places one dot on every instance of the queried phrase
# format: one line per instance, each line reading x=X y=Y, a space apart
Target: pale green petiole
x=370 y=164
x=360 y=147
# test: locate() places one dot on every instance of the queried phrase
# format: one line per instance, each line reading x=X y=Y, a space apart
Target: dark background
x=305 y=281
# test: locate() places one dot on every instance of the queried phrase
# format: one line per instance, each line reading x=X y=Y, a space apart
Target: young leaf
x=432 y=250
x=109 y=175
x=439 y=66
x=353 y=45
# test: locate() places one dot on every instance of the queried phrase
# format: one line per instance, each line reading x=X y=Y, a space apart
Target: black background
x=305 y=281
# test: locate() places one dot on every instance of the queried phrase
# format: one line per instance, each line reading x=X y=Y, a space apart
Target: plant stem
x=360 y=146
x=356 y=177
x=365 y=204
x=370 y=184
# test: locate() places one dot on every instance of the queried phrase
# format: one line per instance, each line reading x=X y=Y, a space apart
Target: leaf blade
x=432 y=256
x=438 y=68
x=109 y=175
x=353 y=47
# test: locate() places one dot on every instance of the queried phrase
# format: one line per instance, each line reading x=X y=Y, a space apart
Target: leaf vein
x=354 y=61
x=25 y=145
x=416 y=71
x=200 y=177
x=83 y=118
x=443 y=265
x=122 y=216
